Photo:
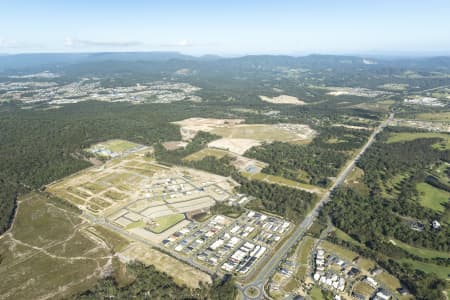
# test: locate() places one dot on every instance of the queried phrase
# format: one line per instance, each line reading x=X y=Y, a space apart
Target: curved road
x=272 y=264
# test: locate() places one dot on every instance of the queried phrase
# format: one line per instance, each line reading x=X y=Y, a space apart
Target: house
x=376 y=271
x=382 y=295
x=402 y=291
x=436 y=224
x=372 y=282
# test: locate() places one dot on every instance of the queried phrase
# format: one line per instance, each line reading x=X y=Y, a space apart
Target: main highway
x=256 y=285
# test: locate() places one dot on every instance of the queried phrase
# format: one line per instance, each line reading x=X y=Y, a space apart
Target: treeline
x=176 y=156
x=431 y=180
x=221 y=166
x=148 y=283
x=223 y=209
x=287 y=202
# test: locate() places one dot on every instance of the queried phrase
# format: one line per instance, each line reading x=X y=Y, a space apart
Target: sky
x=226 y=27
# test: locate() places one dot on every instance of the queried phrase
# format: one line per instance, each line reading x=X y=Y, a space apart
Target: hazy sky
x=226 y=26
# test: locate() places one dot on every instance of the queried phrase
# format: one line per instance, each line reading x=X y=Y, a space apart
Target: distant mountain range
x=24 y=62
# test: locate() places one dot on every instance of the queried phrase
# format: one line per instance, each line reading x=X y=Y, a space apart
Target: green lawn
x=432 y=197
x=164 y=223
x=409 y=136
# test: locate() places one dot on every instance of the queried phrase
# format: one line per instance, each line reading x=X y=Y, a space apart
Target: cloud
x=15 y=45
x=182 y=43
x=71 y=42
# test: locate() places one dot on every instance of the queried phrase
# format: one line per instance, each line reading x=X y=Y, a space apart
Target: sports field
x=163 y=223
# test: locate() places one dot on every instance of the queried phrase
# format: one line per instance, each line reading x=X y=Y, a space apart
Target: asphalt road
x=272 y=264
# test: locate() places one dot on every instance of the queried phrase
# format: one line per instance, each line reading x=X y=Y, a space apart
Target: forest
x=321 y=159
x=390 y=209
x=290 y=203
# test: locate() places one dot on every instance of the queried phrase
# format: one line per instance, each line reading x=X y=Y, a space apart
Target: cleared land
x=239 y=146
x=48 y=253
x=115 y=147
x=303 y=251
x=432 y=197
x=238 y=137
x=283 y=99
x=140 y=199
x=181 y=272
x=217 y=153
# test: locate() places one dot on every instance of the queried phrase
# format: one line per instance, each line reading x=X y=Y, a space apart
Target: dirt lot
x=283 y=99
x=181 y=272
x=239 y=146
x=238 y=137
x=174 y=145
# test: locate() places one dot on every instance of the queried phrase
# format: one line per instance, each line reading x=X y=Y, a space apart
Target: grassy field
x=316 y=294
x=441 y=271
x=48 y=253
x=119 y=146
x=355 y=181
x=114 y=240
x=164 y=223
x=302 y=259
x=390 y=281
x=282 y=181
x=437 y=117
x=409 y=136
x=422 y=252
x=256 y=132
x=432 y=197
x=217 y=153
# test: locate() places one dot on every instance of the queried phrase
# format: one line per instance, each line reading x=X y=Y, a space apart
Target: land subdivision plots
x=152 y=205
x=136 y=194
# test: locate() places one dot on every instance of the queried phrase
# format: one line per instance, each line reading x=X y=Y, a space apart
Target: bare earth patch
x=283 y=99
x=174 y=145
x=239 y=146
